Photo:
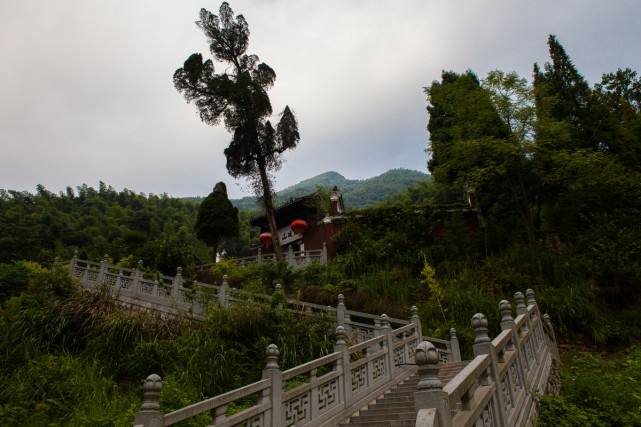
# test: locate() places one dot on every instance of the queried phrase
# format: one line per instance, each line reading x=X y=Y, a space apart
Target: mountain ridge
x=357 y=193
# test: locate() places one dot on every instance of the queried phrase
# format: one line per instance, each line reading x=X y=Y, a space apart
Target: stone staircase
x=396 y=408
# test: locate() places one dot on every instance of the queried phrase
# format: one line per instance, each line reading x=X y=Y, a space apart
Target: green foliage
x=42 y=226
x=78 y=359
x=596 y=392
x=217 y=219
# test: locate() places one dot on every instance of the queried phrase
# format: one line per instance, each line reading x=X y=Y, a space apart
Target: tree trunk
x=269 y=210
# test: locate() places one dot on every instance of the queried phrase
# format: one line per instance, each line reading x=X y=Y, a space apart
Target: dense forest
x=555 y=168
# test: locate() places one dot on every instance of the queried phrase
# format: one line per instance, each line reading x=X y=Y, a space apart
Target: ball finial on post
x=426 y=358
x=479 y=324
x=151 y=390
x=506 y=311
x=273 y=354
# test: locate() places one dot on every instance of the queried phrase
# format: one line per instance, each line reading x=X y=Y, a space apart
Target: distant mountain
x=356 y=193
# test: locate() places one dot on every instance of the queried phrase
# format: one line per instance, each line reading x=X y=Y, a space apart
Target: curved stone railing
x=169 y=295
x=499 y=386
x=326 y=390
x=295 y=259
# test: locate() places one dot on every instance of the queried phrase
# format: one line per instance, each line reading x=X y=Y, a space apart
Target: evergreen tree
x=241 y=100
x=217 y=219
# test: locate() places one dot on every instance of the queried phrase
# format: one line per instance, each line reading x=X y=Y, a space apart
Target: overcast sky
x=86 y=91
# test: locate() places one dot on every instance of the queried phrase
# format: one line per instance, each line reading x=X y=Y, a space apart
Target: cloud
x=86 y=88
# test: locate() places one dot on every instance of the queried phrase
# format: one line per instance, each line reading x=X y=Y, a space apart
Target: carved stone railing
x=326 y=390
x=499 y=386
x=295 y=259
x=169 y=295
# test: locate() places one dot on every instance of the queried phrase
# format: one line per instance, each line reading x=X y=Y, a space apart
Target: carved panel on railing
x=92 y=275
x=505 y=391
x=328 y=394
x=359 y=378
x=111 y=279
x=126 y=282
x=146 y=288
x=297 y=410
x=487 y=417
x=399 y=356
x=516 y=382
x=443 y=356
x=378 y=368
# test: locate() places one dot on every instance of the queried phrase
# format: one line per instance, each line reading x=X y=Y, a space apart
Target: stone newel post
x=454 y=345
x=72 y=263
x=417 y=321
x=483 y=345
x=341 y=313
x=431 y=402
x=222 y=293
x=273 y=373
x=149 y=414
x=341 y=347
x=103 y=268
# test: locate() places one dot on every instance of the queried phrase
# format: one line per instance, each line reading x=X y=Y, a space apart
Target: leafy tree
x=481 y=139
x=217 y=219
x=241 y=99
x=575 y=104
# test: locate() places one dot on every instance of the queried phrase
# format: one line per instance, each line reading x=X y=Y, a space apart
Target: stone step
x=396 y=408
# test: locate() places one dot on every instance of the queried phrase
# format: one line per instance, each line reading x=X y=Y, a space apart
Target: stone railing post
x=275 y=394
x=431 y=402
x=177 y=283
x=341 y=313
x=104 y=265
x=136 y=278
x=343 y=363
x=417 y=321
x=222 y=292
x=290 y=256
x=454 y=346
x=259 y=256
x=388 y=345
x=324 y=255
x=538 y=339
x=522 y=309
x=483 y=345
x=553 y=348
x=149 y=414
x=72 y=262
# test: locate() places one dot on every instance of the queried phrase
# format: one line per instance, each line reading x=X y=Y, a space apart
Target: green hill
x=357 y=193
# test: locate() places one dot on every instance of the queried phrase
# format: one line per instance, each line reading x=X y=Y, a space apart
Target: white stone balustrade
x=499 y=386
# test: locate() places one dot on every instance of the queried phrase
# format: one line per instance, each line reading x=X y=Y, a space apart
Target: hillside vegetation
x=357 y=193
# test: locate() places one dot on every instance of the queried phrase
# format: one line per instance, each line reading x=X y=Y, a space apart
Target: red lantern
x=299 y=227
x=266 y=239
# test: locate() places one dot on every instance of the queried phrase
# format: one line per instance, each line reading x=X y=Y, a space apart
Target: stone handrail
x=498 y=387
x=295 y=259
x=352 y=377
x=169 y=295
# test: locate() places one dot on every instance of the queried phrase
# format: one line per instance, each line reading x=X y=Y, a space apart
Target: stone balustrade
x=499 y=386
x=295 y=259
x=169 y=295
x=349 y=378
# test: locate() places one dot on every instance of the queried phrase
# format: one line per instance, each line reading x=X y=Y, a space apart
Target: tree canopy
x=217 y=219
x=239 y=99
x=557 y=156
